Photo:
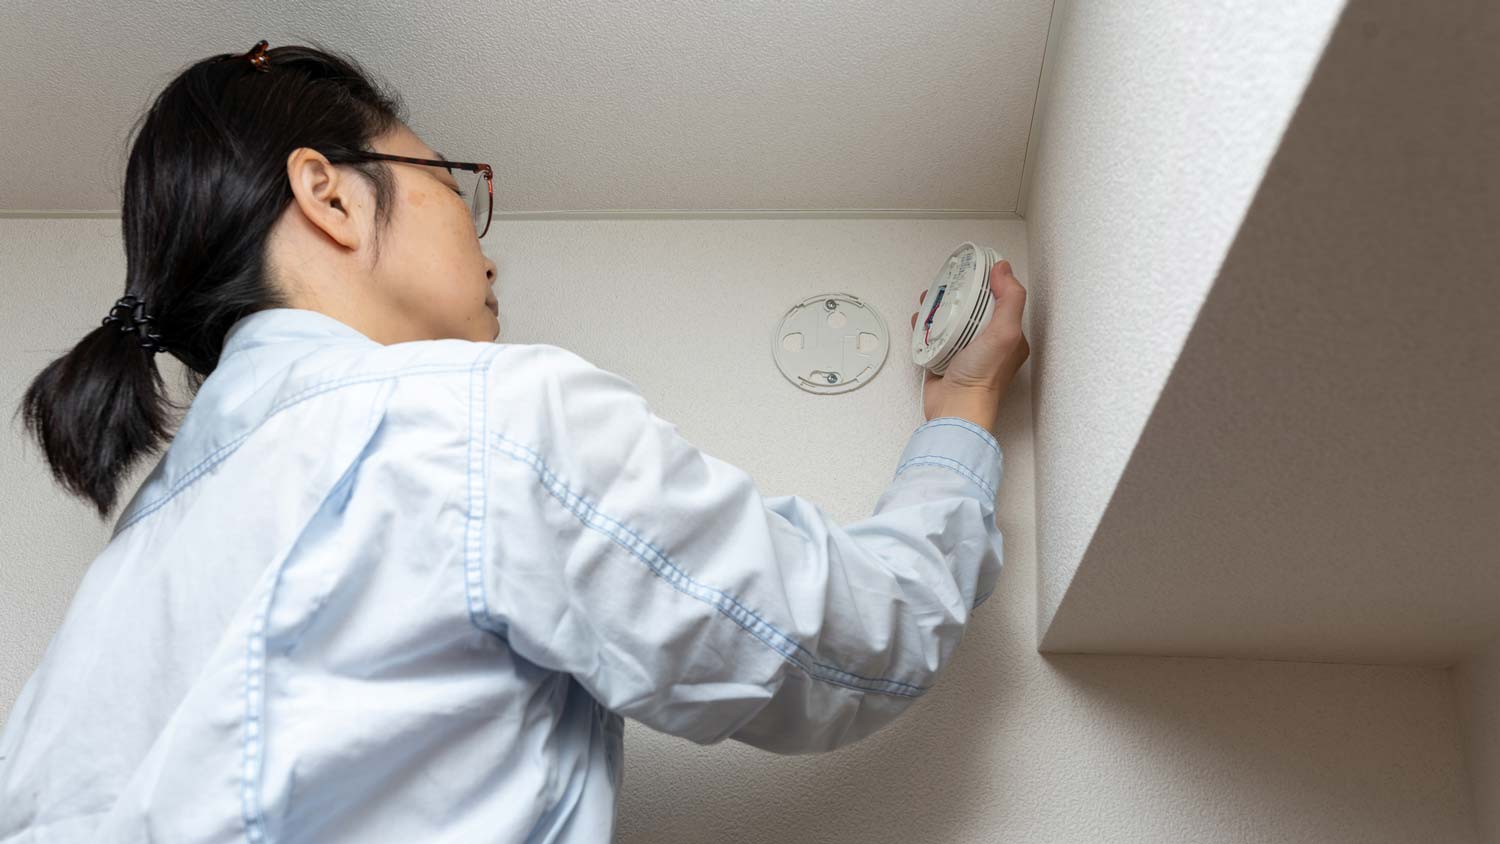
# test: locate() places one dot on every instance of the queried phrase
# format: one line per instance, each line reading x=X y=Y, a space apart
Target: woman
x=393 y=581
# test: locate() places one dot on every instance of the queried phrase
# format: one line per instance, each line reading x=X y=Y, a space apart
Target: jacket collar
x=275 y=325
x=261 y=345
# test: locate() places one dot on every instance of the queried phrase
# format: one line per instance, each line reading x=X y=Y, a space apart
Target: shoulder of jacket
x=547 y=366
x=410 y=359
x=514 y=366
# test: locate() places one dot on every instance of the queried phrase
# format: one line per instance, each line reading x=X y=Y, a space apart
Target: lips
x=493 y=306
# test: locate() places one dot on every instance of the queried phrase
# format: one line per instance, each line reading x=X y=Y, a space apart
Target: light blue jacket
x=408 y=593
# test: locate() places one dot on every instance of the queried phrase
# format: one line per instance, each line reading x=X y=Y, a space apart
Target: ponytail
x=205 y=183
x=96 y=410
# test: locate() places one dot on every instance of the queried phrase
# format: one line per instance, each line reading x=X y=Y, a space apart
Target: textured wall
x=1157 y=122
x=1320 y=474
x=1477 y=681
x=1010 y=746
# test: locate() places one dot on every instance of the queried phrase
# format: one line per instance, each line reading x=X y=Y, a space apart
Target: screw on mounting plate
x=830 y=304
x=833 y=378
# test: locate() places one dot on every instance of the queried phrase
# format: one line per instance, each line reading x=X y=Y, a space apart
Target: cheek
x=442 y=222
x=437 y=264
x=446 y=216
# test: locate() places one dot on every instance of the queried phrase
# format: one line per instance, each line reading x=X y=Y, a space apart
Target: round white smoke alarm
x=957 y=307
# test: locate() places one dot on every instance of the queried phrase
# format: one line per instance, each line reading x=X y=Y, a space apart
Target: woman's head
x=231 y=205
x=418 y=275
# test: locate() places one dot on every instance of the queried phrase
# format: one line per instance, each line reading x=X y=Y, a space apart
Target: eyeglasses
x=481 y=186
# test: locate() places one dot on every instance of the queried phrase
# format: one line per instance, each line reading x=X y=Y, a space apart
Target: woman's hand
x=979 y=375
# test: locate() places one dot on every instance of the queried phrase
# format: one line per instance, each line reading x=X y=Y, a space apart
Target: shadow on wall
x=1014 y=746
x=1278 y=751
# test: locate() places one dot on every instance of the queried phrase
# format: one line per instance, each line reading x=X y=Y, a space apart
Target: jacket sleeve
x=658 y=576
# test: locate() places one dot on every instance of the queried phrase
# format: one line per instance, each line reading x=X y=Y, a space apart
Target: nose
x=489 y=270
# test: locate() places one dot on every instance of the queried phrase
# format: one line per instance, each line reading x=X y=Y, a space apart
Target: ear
x=327 y=197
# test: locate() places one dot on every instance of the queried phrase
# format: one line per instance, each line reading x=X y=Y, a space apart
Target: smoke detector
x=957 y=307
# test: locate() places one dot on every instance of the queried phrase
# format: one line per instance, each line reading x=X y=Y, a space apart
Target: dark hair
x=205 y=182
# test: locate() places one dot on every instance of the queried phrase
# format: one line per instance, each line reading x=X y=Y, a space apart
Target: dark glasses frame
x=471 y=166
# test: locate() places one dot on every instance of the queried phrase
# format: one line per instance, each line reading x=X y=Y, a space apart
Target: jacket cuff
x=959 y=445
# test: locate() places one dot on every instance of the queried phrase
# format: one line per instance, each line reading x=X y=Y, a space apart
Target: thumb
x=1010 y=296
x=998 y=272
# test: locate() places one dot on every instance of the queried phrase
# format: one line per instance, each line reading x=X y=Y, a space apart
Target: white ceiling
x=649 y=105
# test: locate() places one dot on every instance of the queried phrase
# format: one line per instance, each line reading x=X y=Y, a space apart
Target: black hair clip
x=129 y=314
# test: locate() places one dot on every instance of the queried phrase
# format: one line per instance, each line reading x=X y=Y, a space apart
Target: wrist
x=981 y=407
